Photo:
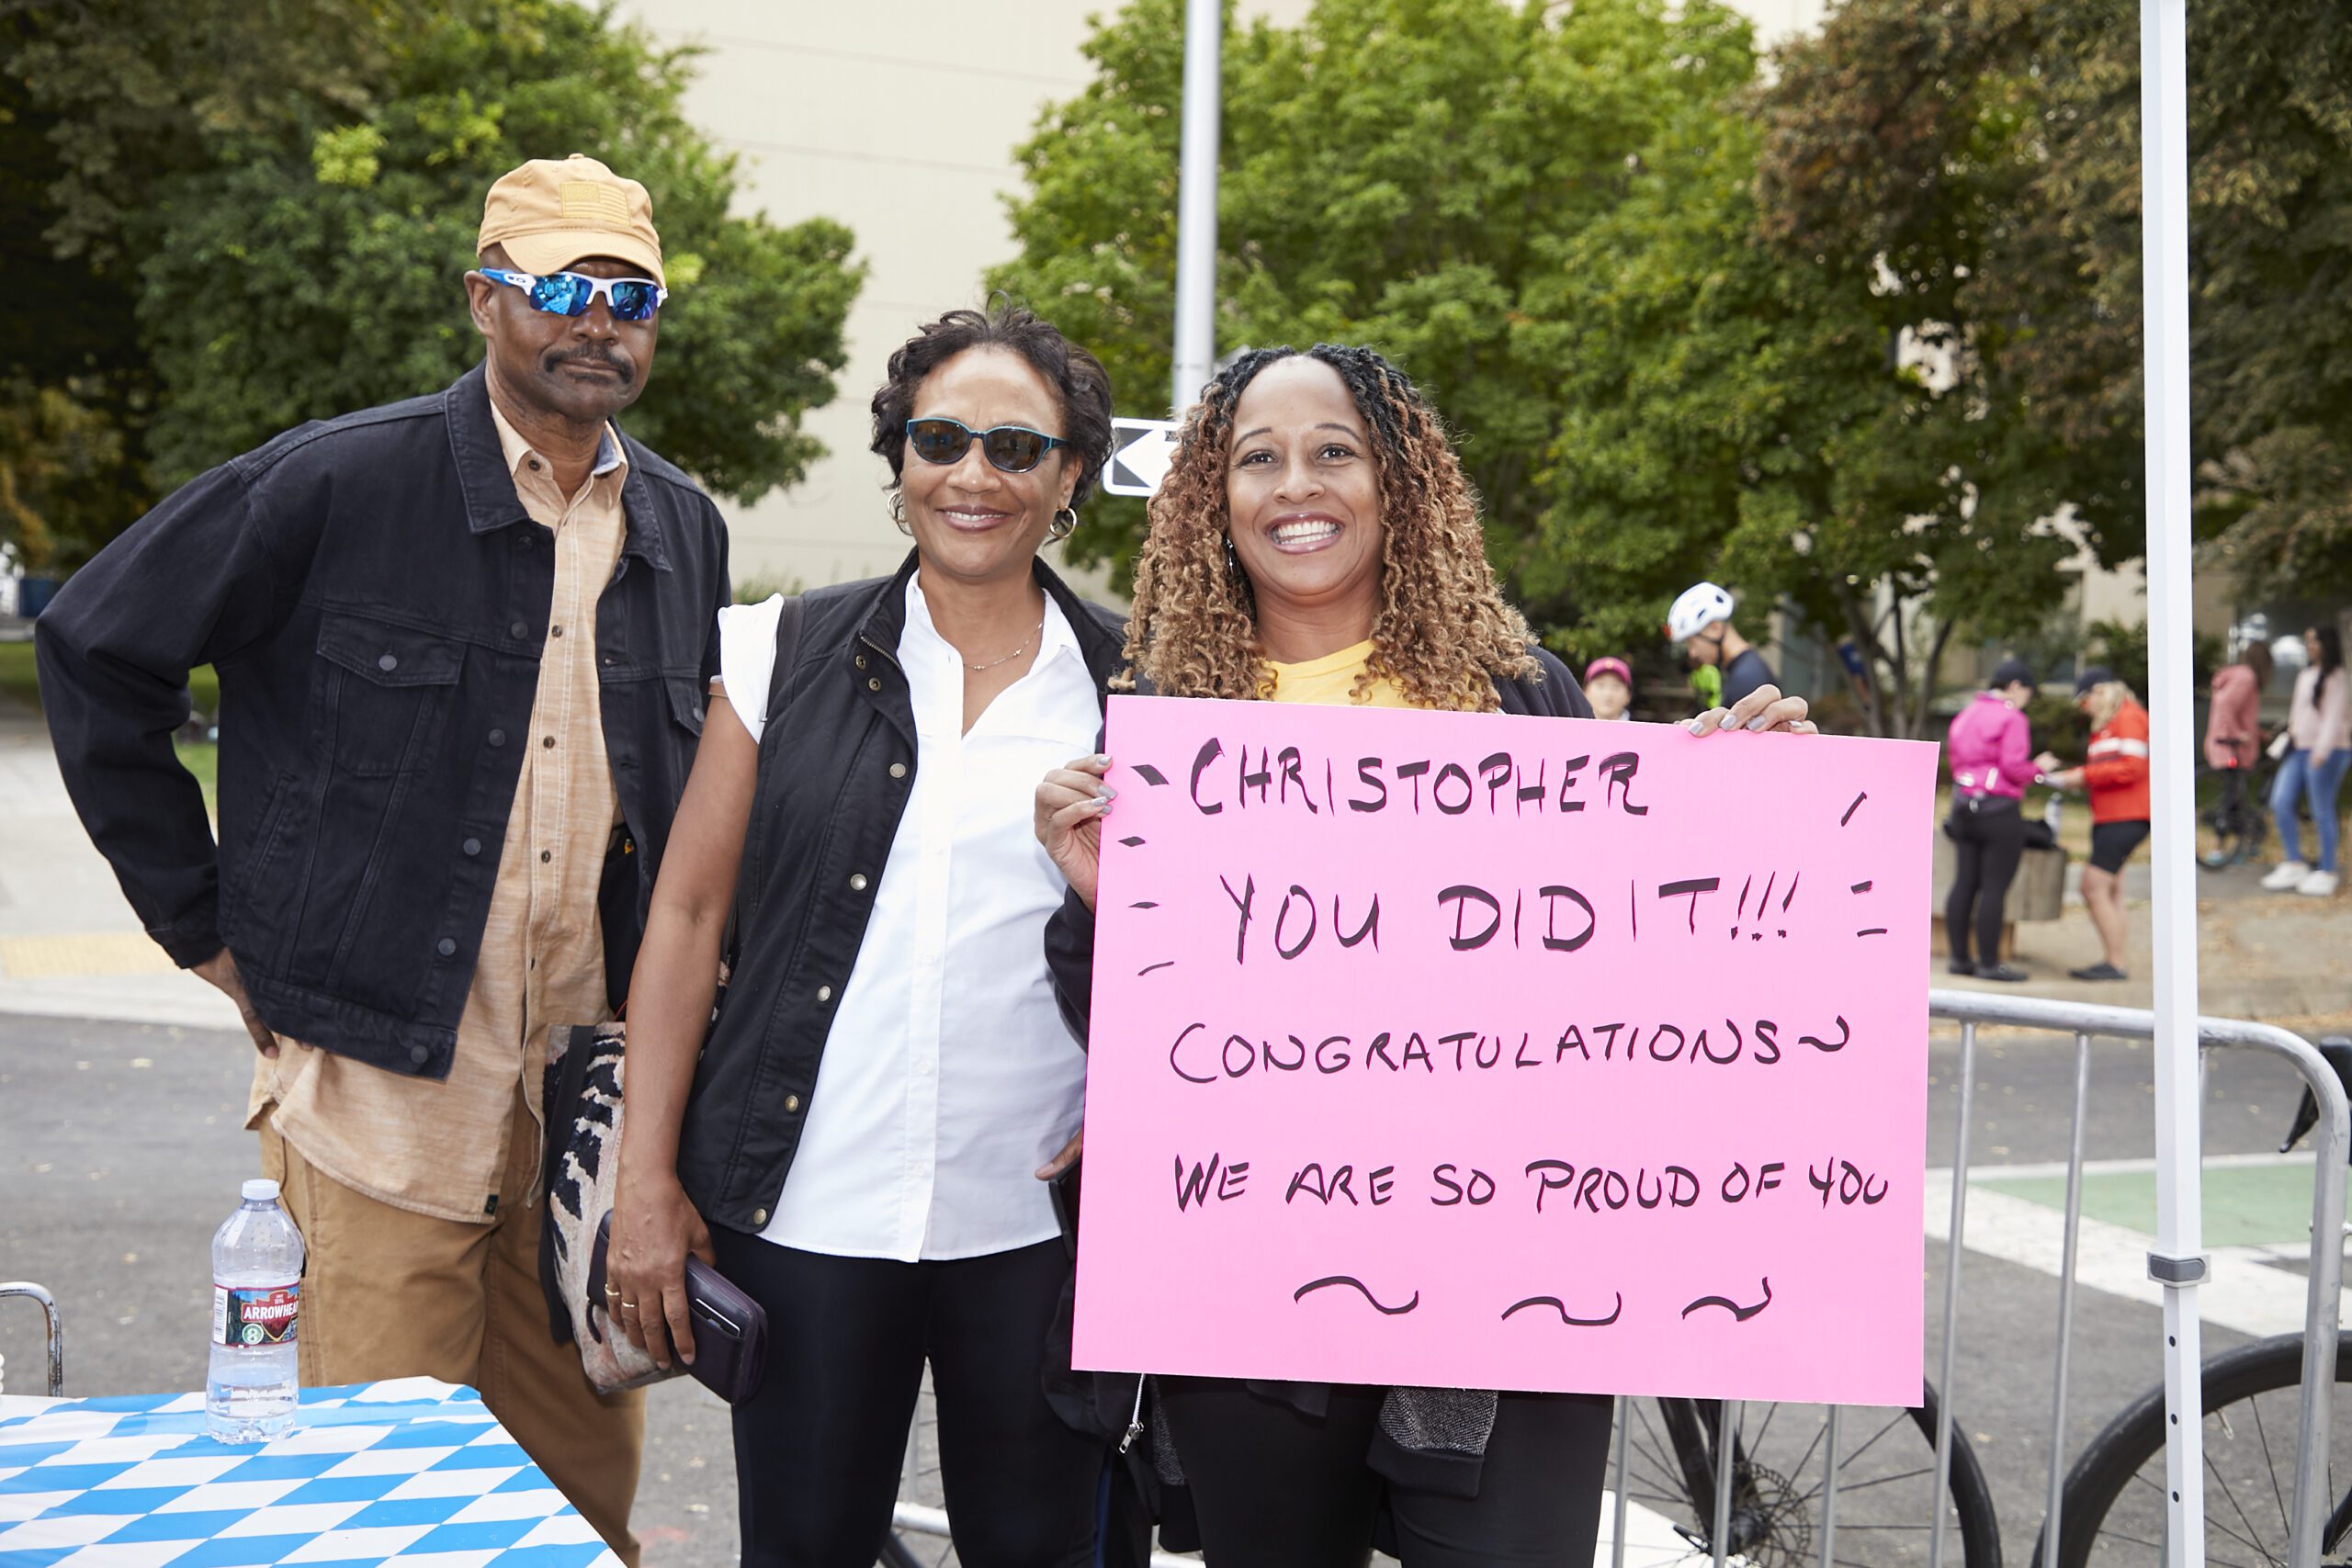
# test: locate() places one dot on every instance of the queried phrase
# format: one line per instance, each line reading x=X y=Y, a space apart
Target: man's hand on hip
x=220 y=970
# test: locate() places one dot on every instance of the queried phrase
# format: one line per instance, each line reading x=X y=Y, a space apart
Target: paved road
x=123 y=1151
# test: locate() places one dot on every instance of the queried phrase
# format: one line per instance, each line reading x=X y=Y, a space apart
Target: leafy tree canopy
x=297 y=253
x=1859 y=336
x=1402 y=173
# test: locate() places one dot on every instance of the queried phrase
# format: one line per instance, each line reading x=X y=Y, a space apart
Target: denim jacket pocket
x=687 y=702
x=387 y=691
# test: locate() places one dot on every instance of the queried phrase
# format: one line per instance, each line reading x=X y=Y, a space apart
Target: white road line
x=2245 y=1293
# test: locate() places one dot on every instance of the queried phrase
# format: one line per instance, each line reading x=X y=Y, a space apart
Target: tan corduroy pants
x=388 y=1294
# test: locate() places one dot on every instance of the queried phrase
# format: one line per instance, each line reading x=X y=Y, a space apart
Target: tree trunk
x=1865 y=644
x=1918 y=726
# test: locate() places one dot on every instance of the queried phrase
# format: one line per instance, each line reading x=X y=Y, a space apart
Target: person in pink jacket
x=2233 y=724
x=1990 y=749
x=2319 y=724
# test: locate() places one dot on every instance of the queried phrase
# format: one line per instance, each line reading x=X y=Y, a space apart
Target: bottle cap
x=261 y=1190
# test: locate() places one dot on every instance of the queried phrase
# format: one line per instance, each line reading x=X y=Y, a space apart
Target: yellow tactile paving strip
x=91 y=952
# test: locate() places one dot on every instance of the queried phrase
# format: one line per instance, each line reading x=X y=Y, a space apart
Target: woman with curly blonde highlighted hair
x=1316 y=541
x=1441 y=635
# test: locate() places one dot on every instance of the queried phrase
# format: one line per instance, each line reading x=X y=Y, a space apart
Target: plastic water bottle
x=252 y=1386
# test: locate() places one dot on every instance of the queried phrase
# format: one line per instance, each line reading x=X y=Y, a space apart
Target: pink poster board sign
x=1490 y=1052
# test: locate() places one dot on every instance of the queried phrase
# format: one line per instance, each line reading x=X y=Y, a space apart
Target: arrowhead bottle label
x=249 y=1315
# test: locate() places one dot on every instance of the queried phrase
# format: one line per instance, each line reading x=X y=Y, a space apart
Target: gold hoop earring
x=1064 y=524
x=899 y=511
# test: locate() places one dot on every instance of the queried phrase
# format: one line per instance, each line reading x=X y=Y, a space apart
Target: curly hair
x=1444 y=633
x=1076 y=377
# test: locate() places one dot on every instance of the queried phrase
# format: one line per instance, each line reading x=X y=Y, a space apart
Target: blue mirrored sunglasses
x=571 y=293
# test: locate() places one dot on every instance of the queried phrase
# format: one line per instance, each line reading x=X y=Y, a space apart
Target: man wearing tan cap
x=462 y=644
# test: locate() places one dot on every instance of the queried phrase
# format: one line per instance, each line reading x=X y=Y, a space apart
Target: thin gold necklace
x=976 y=669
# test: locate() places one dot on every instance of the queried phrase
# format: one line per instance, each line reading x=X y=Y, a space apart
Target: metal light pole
x=2178 y=1262
x=1197 y=203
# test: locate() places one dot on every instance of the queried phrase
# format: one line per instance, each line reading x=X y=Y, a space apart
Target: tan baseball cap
x=554 y=212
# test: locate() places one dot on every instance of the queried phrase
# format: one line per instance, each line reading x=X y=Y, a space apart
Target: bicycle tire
x=1780 y=1531
x=2134 y=1441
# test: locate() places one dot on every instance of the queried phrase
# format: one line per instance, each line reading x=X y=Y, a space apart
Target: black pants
x=819 y=1449
x=1988 y=834
x=1274 y=1488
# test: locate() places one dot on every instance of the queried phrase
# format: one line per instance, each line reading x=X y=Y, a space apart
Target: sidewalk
x=70 y=946
x=2277 y=957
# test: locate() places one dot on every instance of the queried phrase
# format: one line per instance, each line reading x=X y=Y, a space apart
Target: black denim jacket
x=374 y=597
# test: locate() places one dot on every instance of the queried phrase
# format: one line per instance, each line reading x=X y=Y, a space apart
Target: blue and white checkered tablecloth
x=413 y=1473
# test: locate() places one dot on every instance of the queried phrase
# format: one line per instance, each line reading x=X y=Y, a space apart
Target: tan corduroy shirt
x=440 y=1148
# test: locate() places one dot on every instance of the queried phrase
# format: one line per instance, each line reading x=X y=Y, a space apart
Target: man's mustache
x=603 y=356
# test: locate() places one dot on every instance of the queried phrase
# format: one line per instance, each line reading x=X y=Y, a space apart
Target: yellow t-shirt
x=1331 y=681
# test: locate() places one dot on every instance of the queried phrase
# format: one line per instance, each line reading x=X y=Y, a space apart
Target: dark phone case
x=730 y=1328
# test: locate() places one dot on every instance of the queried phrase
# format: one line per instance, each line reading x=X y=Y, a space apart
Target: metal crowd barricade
x=47 y=1305
x=2085 y=1022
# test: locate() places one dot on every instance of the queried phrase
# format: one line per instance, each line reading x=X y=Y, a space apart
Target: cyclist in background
x=1701 y=622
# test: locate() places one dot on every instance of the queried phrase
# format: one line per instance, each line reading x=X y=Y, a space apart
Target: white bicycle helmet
x=1699 y=607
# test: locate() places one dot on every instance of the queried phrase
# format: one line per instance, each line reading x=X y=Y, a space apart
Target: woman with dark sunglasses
x=865 y=1143
x=1315 y=541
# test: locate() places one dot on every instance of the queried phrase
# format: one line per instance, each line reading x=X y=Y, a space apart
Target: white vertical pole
x=1195 y=353
x=2178 y=1261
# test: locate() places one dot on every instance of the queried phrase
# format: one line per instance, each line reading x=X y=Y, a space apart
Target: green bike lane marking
x=2257 y=1231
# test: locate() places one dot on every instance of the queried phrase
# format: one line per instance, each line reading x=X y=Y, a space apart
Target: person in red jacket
x=2116 y=774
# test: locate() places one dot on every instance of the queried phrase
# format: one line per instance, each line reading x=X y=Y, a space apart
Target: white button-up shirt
x=948 y=1075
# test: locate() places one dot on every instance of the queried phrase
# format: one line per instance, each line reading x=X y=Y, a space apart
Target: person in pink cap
x=1609 y=686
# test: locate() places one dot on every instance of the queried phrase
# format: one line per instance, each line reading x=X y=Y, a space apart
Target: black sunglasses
x=1014 y=448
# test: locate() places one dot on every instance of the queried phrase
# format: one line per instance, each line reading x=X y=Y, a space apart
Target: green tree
x=1402 y=173
x=2271 y=270
x=1776 y=381
x=304 y=259
x=1899 y=105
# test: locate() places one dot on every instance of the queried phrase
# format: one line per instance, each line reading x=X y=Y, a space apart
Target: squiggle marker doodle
x=1300 y=1295
x=1738 y=1312
x=1557 y=1305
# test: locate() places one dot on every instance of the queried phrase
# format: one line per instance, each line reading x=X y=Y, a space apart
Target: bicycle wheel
x=1886 y=1482
x=2222 y=845
x=2114 y=1501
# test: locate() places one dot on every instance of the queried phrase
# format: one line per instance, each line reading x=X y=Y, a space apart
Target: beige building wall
x=906 y=134
x=1776 y=19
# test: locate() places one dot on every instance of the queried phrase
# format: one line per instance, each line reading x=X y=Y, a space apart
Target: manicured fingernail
x=1756 y=723
x=1104 y=792
x=1692 y=725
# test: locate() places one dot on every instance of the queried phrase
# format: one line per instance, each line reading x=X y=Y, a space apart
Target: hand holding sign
x=1070 y=804
x=1487 y=1051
